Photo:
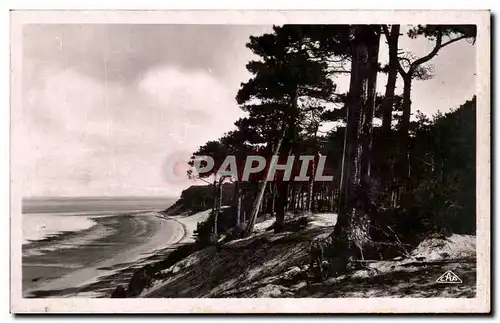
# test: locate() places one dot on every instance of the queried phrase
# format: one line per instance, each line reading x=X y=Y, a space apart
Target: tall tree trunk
x=238 y=208
x=310 y=195
x=333 y=197
x=301 y=197
x=262 y=187
x=265 y=201
x=282 y=193
x=236 y=196
x=289 y=197
x=404 y=134
x=273 y=200
x=346 y=151
x=214 y=206
x=392 y=75
x=219 y=207
x=322 y=198
x=369 y=106
x=296 y=193
x=311 y=186
x=294 y=198
x=281 y=206
x=350 y=230
x=384 y=155
x=221 y=187
x=288 y=141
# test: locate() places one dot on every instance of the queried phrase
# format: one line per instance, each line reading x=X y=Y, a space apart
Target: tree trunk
x=369 y=107
x=294 y=198
x=214 y=206
x=219 y=207
x=322 y=198
x=311 y=186
x=288 y=198
x=299 y=198
x=333 y=197
x=273 y=200
x=265 y=201
x=404 y=134
x=262 y=187
x=392 y=75
x=282 y=194
x=220 y=193
x=351 y=229
x=288 y=141
x=384 y=156
x=236 y=199
x=238 y=208
x=280 y=206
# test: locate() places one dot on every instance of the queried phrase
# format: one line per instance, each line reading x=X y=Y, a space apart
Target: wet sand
x=72 y=265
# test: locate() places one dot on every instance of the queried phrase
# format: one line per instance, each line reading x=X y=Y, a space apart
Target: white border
x=369 y=305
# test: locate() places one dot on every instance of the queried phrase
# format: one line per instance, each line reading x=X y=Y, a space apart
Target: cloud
x=130 y=49
x=105 y=104
x=84 y=137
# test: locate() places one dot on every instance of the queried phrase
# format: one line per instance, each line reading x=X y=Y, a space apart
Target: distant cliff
x=197 y=198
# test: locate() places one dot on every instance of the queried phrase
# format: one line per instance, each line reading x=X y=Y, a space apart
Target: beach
x=93 y=269
x=95 y=252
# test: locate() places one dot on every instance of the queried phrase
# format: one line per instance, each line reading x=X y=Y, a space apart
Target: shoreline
x=96 y=278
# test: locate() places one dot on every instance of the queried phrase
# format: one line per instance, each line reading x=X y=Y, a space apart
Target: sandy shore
x=93 y=268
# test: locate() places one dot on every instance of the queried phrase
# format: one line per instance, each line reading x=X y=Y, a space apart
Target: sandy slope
x=276 y=265
x=189 y=223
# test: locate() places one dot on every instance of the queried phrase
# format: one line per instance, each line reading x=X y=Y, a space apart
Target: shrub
x=431 y=208
x=226 y=224
x=204 y=232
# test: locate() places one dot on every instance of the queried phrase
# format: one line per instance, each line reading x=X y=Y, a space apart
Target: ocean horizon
x=77 y=204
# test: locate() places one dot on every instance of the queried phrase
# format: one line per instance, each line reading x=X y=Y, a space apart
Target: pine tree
x=413 y=68
x=289 y=70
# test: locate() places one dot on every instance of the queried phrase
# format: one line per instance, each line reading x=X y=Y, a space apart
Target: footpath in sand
x=276 y=265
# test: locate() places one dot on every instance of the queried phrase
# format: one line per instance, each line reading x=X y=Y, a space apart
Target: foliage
x=442 y=198
x=198 y=198
x=226 y=222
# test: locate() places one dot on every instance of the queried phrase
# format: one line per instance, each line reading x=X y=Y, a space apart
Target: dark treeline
x=398 y=179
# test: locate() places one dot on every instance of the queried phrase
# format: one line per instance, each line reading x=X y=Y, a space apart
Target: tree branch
x=386 y=32
x=338 y=72
x=437 y=47
x=401 y=70
x=429 y=56
x=451 y=41
x=203 y=180
x=405 y=59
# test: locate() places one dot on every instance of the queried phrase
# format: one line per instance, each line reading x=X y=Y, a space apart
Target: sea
x=75 y=246
x=45 y=217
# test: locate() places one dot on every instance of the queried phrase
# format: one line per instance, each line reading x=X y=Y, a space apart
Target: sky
x=106 y=107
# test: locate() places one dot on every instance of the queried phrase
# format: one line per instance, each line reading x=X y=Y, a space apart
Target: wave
x=44 y=233
x=40 y=226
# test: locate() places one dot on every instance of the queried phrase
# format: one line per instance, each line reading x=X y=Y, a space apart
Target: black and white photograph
x=205 y=161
